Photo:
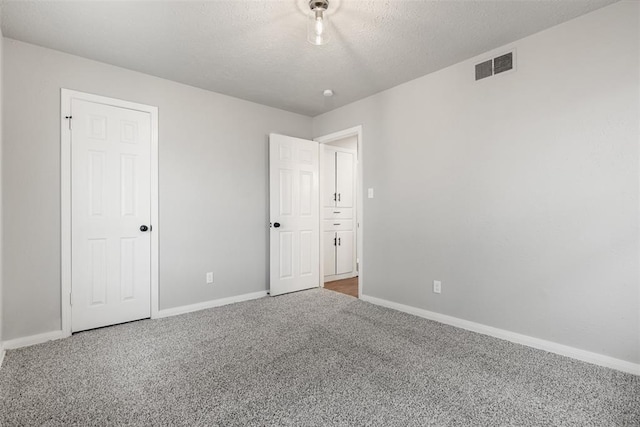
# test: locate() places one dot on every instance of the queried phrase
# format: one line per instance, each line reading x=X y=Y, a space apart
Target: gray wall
x=213 y=183
x=519 y=192
x=1 y=239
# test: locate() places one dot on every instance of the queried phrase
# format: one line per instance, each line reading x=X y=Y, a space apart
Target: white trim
x=354 y=131
x=2 y=353
x=55 y=335
x=552 y=347
x=155 y=218
x=33 y=340
x=321 y=156
x=209 y=304
x=66 y=96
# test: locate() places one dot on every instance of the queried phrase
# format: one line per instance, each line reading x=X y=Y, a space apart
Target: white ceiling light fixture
x=328 y=93
x=318 y=26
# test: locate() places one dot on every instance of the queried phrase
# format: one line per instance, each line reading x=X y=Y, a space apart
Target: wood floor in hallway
x=344 y=286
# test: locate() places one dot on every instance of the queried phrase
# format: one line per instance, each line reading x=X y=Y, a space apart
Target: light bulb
x=317 y=31
x=319 y=26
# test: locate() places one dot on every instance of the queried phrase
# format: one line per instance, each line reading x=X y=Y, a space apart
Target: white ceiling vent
x=499 y=64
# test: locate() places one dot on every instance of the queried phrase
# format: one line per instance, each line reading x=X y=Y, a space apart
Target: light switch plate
x=370 y=193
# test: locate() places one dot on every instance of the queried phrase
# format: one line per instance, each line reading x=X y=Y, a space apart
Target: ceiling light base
x=318 y=4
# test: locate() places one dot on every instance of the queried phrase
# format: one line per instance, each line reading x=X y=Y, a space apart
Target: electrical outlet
x=437 y=286
x=209 y=277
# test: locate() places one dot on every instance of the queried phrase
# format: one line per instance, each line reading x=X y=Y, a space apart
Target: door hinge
x=69 y=118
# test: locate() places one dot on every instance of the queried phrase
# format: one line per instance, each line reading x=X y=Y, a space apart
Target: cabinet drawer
x=338 y=224
x=333 y=213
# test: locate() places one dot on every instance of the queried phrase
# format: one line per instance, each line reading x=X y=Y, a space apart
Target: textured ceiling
x=257 y=50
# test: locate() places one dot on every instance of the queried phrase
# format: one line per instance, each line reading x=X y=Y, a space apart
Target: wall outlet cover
x=209 y=277
x=437 y=286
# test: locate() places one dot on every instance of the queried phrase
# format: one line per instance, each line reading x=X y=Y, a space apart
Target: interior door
x=110 y=201
x=344 y=181
x=294 y=214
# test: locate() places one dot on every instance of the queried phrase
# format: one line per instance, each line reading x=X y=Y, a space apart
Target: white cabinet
x=338 y=178
x=338 y=253
x=344 y=252
x=344 y=179
x=329 y=195
x=339 y=220
x=330 y=253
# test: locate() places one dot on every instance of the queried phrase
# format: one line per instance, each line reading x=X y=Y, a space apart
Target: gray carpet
x=310 y=358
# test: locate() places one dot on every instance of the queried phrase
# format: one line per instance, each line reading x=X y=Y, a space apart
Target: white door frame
x=66 y=96
x=354 y=131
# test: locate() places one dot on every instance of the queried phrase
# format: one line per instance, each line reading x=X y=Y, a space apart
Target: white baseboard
x=208 y=304
x=552 y=347
x=55 y=335
x=33 y=340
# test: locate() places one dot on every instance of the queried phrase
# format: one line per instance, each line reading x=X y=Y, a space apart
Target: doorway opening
x=341 y=211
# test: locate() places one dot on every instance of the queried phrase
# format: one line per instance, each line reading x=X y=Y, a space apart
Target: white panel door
x=330 y=242
x=344 y=253
x=329 y=194
x=110 y=201
x=344 y=180
x=294 y=214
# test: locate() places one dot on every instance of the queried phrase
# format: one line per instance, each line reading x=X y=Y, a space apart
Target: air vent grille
x=484 y=69
x=503 y=63
x=497 y=65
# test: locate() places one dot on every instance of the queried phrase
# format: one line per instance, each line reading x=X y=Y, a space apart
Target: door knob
x=144 y=228
x=276 y=224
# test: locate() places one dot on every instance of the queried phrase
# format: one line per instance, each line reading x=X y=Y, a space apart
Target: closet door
x=344 y=252
x=344 y=180
x=329 y=253
x=329 y=178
